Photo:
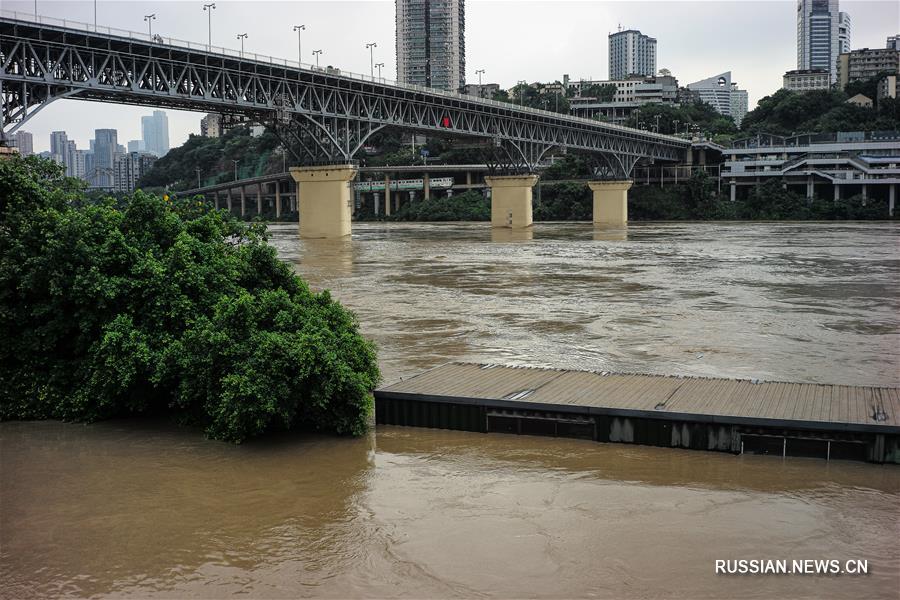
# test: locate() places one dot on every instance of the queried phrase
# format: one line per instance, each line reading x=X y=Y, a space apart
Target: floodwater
x=145 y=509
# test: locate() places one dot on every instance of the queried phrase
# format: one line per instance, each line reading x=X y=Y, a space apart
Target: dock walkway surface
x=619 y=407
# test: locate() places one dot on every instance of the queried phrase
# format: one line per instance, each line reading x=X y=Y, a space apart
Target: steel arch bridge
x=322 y=115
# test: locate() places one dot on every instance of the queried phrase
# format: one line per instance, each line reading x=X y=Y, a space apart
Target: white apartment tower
x=631 y=53
x=845 y=28
x=818 y=35
x=723 y=94
x=431 y=43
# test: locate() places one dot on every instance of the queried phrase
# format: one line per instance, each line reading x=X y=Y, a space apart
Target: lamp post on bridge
x=199 y=185
x=298 y=29
x=675 y=123
x=235 y=168
x=371 y=47
x=209 y=8
x=150 y=19
x=316 y=53
x=242 y=37
x=378 y=66
x=657 y=123
x=479 y=72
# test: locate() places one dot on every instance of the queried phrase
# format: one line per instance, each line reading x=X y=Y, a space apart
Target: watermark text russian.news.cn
x=809 y=566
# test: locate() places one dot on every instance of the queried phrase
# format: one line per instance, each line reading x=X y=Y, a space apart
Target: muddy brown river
x=145 y=509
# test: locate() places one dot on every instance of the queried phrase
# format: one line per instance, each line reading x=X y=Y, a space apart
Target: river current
x=128 y=508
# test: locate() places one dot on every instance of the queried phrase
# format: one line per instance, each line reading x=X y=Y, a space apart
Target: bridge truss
x=321 y=115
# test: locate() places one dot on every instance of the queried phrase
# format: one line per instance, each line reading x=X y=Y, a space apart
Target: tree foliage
x=820 y=111
x=675 y=118
x=157 y=306
x=177 y=170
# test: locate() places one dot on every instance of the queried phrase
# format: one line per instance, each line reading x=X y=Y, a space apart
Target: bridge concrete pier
x=324 y=200
x=511 y=200
x=610 y=203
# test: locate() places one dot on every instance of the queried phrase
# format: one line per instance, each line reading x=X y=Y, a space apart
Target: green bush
x=468 y=206
x=147 y=305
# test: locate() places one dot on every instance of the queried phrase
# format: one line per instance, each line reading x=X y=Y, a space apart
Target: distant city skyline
x=539 y=41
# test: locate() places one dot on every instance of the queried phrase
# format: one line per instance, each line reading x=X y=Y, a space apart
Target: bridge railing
x=283 y=62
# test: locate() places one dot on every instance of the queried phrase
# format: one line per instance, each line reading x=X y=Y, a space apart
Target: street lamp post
x=209 y=8
x=316 y=53
x=675 y=123
x=298 y=29
x=378 y=66
x=199 y=185
x=150 y=19
x=480 y=90
x=657 y=123
x=242 y=37
x=371 y=47
x=235 y=168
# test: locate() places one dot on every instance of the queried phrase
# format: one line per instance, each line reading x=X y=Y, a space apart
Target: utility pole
x=149 y=19
x=298 y=29
x=209 y=8
x=371 y=47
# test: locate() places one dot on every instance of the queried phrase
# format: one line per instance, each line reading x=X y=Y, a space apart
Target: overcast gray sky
x=512 y=40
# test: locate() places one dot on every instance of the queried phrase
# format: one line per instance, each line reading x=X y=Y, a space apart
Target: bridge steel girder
x=41 y=63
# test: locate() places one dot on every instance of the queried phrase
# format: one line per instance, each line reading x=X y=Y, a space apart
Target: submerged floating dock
x=726 y=415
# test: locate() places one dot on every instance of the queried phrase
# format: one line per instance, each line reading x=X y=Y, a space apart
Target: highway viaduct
x=323 y=116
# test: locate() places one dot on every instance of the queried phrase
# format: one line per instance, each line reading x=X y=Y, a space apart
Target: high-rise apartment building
x=129 y=168
x=106 y=148
x=818 y=40
x=211 y=125
x=722 y=94
x=631 y=53
x=845 y=28
x=865 y=63
x=893 y=42
x=155 y=133
x=431 y=43
x=25 y=143
x=59 y=148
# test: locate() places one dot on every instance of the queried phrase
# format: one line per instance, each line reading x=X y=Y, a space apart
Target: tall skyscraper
x=431 y=43
x=722 y=94
x=62 y=151
x=631 y=53
x=845 y=28
x=25 y=143
x=59 y=146
x=818 y=41
x=155 y=133
x=106 y=147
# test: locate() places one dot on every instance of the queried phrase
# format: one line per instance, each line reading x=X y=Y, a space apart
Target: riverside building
x=631 y=53
x=431 y=45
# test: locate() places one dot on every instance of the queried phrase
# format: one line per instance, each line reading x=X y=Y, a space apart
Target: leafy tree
x=820 y=111
x=602 y=92
x=177 y=170
x=146 y=305
x=564 y=202
x=468 y=206
x=673 y=119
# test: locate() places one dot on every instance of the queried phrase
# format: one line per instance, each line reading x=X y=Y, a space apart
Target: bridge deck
x=808 y=406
